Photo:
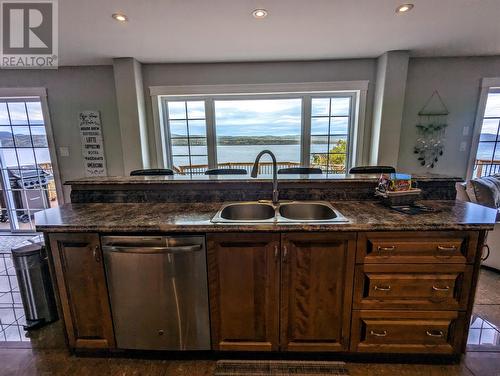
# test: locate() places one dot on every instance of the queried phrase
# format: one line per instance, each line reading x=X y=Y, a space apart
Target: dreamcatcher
x=431 y=130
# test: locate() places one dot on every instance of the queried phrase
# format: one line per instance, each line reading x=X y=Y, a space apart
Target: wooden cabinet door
x=316 y=291
x=83 y=293
x=244 y=291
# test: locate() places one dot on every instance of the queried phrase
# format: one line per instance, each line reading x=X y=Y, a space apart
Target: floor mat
x=10 y=241
x=278 y=368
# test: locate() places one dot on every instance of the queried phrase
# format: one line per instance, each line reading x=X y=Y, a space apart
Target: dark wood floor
x=46 y=355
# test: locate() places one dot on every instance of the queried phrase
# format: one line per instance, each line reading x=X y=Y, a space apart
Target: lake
x=244 y=153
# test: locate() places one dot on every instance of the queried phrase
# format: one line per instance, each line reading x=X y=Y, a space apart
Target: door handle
x=285 y=253
x=152 y=250
x=387 y=249
x=95 y=253
x=382 y=288
x=446 y=248
x=437 y=288
x=383 y=333
x=276 y=253
x=435 y=333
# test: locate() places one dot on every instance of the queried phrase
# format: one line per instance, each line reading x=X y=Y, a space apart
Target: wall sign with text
x=92 y=144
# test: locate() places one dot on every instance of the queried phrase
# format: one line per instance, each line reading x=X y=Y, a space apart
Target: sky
x=259 y=117
x=492 y=110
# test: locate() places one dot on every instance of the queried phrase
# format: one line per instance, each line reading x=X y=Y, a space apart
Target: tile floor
x=11 y=307
x=42 y=352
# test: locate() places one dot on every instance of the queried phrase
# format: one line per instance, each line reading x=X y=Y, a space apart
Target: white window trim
x=486 y=84
x=41 y=93
x=254 y=91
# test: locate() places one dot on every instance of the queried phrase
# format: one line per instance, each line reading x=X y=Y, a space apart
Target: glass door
x=26 y=172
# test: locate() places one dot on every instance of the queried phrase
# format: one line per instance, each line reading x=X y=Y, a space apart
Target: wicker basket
x=399 y=198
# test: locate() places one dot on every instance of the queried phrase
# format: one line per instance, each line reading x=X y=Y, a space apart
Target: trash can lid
x=26 y=250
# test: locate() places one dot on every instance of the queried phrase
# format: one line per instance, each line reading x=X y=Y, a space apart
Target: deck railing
x=265 y=168
x=486 y=167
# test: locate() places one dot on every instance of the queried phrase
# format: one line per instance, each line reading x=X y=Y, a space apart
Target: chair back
x=372 y=170
x=300 y=170
x=152 y=172
x=226 y=171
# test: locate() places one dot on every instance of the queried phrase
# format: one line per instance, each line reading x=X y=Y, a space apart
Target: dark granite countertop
x=195 y=217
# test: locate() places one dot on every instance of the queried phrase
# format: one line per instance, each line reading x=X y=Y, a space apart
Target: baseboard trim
x=490 y=268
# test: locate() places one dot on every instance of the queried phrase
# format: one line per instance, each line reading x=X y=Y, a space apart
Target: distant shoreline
x=178 y=140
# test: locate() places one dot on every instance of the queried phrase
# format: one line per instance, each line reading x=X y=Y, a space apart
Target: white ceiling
x=224 y=30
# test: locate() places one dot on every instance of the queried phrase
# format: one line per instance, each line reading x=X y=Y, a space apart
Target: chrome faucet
x=255 y=170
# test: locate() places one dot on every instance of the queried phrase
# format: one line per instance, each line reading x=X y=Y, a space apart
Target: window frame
x=40 y=93
x=487 y=83
x=356 y=90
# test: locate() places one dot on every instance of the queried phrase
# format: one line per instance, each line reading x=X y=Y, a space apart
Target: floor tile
x=488 y=291
x=483 y=363
x=483 y=336
x=490 y=312
x=370 y=369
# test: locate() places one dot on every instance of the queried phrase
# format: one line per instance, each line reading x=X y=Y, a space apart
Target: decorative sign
x=92 y=145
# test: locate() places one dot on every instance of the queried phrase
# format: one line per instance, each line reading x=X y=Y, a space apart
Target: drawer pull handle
x=391 y=248
x=435 y=333
x=382 y=288
x=378 y=334
x=436 y=288
x=446 y=248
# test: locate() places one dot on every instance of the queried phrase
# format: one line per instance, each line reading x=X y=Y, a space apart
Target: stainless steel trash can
x=35 y=285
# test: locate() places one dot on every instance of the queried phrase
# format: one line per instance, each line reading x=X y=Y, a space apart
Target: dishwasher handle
x=152 y=250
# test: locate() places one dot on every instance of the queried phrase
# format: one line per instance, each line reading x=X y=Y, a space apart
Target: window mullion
x=166 y=128
x=305 y=140
x=351 y=149
x=211 y=135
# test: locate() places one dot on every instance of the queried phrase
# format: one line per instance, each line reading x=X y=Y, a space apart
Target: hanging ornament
x=431 y=128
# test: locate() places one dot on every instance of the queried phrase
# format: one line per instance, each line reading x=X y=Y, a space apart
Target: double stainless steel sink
x=283 y=212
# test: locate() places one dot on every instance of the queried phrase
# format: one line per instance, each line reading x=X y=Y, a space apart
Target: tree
x=337 y=159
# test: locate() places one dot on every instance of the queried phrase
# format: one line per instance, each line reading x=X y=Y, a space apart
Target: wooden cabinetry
x=407 y=331
x=244 y=274
x=425 y=247
x=412 y=291
x=412 y=286
x=83 y=295
x=381 y=292
x=316 y=291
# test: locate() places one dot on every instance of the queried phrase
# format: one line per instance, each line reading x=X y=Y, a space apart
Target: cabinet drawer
x=399 y=286
x=416 y=247
x=407 y=332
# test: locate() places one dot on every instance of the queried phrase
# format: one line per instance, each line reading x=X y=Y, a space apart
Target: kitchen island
x=382 y=282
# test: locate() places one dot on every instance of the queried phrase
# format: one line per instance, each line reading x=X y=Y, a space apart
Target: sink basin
x=285 y=212
x=248 y=212
x=307 y=211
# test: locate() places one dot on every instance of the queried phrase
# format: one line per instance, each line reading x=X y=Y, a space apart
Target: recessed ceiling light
x=260 y=13
x=120 y=17
x=404 y=8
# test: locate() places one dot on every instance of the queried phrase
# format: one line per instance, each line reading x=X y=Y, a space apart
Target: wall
x=70 y=90
x=390 y=87
x=458 y=80
x=259 y=73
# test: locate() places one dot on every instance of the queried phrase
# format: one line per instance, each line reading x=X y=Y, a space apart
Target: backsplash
x=250 y=190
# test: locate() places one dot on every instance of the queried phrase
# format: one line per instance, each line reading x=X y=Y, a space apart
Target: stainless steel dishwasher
x=158 y=291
